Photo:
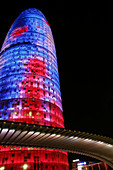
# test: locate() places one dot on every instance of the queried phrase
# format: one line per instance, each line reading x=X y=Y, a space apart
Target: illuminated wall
x=30 y=88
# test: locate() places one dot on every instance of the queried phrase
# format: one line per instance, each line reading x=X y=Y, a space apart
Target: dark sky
x=83 y=35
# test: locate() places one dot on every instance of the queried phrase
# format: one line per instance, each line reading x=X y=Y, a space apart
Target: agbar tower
x=30 y=90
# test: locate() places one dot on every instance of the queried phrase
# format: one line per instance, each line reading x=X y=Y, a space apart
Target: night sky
x=83 y=35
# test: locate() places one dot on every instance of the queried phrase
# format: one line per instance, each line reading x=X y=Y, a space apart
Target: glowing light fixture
x=25 y=166
x=76 y=160
x=2 y=167
x=81 y=163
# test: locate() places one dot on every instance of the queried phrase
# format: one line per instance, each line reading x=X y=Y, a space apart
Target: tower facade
x=30 y=89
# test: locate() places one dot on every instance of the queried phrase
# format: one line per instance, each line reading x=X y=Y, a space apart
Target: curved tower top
x=31 y=11
x=31 y=21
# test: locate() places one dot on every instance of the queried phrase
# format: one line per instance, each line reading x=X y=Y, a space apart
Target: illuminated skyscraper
x=30 y=90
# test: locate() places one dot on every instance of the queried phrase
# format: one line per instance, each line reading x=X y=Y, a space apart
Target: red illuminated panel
x=34 y=109
x=14 y=158
x=19 y=31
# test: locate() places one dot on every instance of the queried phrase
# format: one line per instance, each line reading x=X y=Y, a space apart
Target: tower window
x=13 y=154
x=45 y=155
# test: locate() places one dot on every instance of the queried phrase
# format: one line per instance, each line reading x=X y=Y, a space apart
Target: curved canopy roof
x=29 y=135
